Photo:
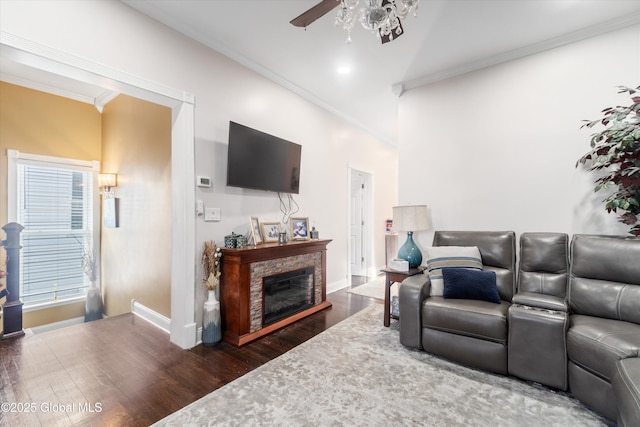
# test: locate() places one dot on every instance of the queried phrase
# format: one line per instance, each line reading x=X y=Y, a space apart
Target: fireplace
x=287 y=293
x=242 y=289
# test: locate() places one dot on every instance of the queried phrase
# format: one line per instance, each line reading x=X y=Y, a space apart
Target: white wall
x=496 y=149
x=115 y=35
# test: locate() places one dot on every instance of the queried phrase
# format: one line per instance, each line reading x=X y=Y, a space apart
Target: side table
x=392 y=276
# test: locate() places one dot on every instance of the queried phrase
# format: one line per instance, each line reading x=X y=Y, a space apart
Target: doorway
x=360 y=226
x=182 y=324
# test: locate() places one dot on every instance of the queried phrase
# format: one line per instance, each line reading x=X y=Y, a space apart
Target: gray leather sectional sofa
x=568 y=318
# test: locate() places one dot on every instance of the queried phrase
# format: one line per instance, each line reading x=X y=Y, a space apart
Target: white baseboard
x=199 y=336
x=185 y=335
x=336 y=286
x=151 y=316
x=57 y=325
x=377 y=271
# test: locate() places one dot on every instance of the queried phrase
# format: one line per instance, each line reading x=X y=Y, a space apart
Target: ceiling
x=447 y=38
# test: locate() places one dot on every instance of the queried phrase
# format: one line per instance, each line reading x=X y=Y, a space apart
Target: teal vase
x=410 y=252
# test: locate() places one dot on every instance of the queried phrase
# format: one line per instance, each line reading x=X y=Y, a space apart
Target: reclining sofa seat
x=470 y=332
x=538 y=316
x=604 y=324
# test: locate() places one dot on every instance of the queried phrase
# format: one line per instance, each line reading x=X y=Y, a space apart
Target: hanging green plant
x=616 y=151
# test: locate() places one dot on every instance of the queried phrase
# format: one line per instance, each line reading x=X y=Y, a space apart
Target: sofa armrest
x=413 y=291
x=626 y=389
x=542 y=301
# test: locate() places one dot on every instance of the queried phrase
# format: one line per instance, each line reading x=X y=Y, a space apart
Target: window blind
x=55 y=206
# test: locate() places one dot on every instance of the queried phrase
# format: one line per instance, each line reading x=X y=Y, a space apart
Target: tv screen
x=261 y=161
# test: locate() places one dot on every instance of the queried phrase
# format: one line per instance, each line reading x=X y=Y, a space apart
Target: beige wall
x=38 y=123
x=135 y=139
x=136 y=257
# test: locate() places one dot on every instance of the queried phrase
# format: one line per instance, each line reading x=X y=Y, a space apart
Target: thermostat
x=203 y=181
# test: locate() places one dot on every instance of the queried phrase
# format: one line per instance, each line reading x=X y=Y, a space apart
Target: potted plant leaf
x=615 y=151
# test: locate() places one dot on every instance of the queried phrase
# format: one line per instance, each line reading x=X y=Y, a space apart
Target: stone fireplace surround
x=241 y=289
x=263 y=269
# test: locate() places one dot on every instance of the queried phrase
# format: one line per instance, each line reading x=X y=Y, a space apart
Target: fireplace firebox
x=287 y=293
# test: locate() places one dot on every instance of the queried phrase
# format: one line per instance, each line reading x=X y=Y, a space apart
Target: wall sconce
x=108 y=181
x=110 y=206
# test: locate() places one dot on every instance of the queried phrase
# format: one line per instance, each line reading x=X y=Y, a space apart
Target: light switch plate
x=203 y=181
x=212 y=214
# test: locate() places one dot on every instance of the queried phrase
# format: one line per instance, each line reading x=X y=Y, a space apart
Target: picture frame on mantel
x=256 y=233
x=270 y=231
x=299 y=228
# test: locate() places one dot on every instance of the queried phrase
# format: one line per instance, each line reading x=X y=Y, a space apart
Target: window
x=54 y=200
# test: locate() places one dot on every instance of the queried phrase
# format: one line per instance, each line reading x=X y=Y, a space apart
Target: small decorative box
x=230 y=240
x=399 y=264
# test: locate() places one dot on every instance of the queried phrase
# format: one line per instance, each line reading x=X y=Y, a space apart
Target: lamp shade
x=410 y=218
x=107 y=180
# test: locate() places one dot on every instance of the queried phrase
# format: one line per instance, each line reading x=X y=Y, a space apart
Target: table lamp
x=410 y=219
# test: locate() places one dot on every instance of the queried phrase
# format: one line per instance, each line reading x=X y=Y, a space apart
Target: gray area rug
x=358 y=374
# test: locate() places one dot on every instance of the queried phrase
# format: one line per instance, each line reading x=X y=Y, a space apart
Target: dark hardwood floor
x=359 y=280
x=123 y=371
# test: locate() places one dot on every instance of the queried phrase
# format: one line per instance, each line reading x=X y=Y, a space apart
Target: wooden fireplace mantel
x=239 y=302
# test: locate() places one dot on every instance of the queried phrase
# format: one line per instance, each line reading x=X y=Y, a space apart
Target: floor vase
x=93 y=304
x=211 y=323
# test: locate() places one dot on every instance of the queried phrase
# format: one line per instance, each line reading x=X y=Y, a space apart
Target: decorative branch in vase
x=93 y=304
x=211 y=321
x=90 y=265
x=211 y=257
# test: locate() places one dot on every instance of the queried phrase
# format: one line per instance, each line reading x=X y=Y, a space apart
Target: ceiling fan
x=316 y=12
x=381 y=16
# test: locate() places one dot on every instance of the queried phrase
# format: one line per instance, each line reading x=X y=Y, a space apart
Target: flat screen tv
x=261 y=161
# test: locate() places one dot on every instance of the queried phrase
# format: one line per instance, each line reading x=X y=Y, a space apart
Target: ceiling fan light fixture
x=350 y=4
x=380 y=16
x=373 y=18
x=346 y=19
x=407 y=6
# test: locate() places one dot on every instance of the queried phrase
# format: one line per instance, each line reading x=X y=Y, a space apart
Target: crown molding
x=575 y=36
x=43 y=57
x=43 y=87
x=104 y=98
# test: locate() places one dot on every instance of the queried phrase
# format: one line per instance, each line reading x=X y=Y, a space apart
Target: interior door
x=358 y=223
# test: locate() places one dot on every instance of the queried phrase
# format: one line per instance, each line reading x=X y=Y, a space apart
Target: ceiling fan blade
x=317 y=11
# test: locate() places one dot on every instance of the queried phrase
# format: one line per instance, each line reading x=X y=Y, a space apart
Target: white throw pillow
x=439 y=257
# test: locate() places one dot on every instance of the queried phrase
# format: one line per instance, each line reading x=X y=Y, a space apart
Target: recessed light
x=344 y=69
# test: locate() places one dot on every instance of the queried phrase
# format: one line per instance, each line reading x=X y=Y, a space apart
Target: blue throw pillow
x=463 y=283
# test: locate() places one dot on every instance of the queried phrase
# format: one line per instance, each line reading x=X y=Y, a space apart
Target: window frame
x=15 y=158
